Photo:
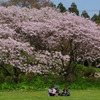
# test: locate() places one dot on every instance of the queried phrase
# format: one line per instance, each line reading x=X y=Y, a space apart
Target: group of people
x=55 y=91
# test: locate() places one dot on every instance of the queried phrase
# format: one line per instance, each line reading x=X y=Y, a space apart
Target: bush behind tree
x=45 y=81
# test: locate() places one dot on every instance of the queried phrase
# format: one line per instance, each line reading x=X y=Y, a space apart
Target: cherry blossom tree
x=56 y=41
x=16 y=55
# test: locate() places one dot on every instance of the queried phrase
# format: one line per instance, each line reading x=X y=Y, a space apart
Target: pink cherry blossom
x=49 y=38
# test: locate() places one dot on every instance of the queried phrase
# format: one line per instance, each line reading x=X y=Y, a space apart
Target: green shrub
x=4 y=86
x=2 y=78
x=89 y=71
x=71 y=78
x=9 y=80
x=22 y=77
x=30 y=77
x=38 y=83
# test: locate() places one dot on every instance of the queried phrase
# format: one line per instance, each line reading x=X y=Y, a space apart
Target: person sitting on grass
x=57 y=90
x=52 y=91
x=65 y=92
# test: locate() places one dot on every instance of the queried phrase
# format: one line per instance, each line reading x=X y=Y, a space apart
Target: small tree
x=85 y=14
x=74 y=9
x=96 y=18
x=61 y=7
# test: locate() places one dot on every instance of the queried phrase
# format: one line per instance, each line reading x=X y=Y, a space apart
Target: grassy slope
x=42 y=95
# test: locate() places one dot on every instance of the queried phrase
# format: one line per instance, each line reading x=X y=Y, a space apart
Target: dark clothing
x=51 y=94
x=57 y=90
x=65 y=92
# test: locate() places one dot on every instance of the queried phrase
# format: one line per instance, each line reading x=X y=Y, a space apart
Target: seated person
x=52 y=91
x=65 y=92
x=57 y=90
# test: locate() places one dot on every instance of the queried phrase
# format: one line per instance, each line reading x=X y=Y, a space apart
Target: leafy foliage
x=85 y=14
x=61 y=8
x=74 y=9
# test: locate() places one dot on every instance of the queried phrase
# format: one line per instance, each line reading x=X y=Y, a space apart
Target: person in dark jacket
x=57 y=90
x=65 y=92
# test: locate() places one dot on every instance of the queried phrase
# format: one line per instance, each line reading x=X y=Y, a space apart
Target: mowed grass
x=42 y=95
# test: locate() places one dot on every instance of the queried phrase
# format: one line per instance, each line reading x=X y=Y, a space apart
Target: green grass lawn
x=42 y=95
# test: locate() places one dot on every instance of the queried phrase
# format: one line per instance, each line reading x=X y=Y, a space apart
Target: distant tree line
x=73 y=9
x=28 y=3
